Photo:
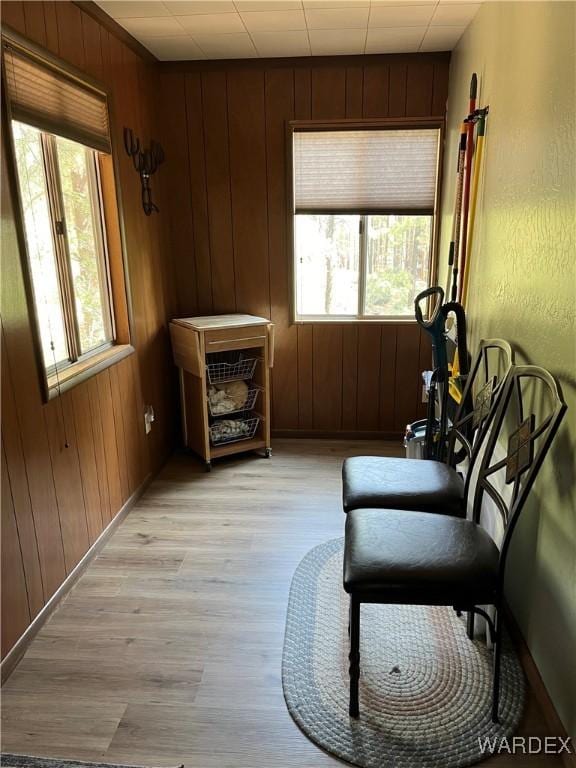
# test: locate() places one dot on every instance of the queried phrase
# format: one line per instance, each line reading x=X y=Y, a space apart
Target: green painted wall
x=523 y=283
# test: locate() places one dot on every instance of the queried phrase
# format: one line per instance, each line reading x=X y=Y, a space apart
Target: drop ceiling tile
x=292 y=43
x=262 y=5
x=166 y=26
x=173 y=48
x=337 y=18
x=399 y=40
x=322 y=4
x=273 y=21
x=400 y=16
x=237 y=46
x=454 y=14
x=441 y=38
x=186 y=8
x=337 y=42
x=212 y=23
x=125 y=10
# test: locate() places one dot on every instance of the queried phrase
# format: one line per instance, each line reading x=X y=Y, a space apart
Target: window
x=62 y=152
x=364 y=220
x=60 y=195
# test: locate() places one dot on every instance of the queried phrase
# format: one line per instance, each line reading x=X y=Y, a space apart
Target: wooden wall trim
x=10 y=661
x=551 y=717
x=112 y=26
x=338 y=435
x=302 y=62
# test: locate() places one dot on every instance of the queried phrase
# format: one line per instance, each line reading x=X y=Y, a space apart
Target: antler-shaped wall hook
x=146 y=162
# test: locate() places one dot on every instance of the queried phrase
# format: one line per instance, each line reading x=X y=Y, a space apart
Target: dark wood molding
x=323 y=434
x=112 y=26
x=302 y=62
x=551 y=717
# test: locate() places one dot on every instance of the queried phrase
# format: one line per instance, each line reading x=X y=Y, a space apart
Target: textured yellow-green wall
x=523 y=283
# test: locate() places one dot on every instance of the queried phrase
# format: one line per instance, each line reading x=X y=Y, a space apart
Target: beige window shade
x=53 y=100
x=363 y=171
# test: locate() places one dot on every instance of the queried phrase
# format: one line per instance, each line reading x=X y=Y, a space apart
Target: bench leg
x=497 y=656
x=354 y=655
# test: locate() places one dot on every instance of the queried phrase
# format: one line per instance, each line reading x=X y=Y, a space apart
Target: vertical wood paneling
x=51 y=27
x=279 y=99
x=83 y=424
x=178 y=193
x=327 y=376
x=440 y=87
x=70 y=41
x=15 y=611
x=305 y=377
x=215 y=107
x=57 y=499
x=34 y=21
x=21 y=367
x=248 y=181
x=328 y=93
x=92 y=46
x=368 y=371
x=407 y=374
x=376 y=90
x=20 y=493
x=397 y=88
x=199 y=201
x=354 y=91
x=13 y=15
x=61 y=431
x=349 y=377
x=95 y=414
x=302 y=93
x=388 y=364
x=115 y=463
x=419 y=85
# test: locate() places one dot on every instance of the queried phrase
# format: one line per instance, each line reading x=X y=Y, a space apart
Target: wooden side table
x=211 y=353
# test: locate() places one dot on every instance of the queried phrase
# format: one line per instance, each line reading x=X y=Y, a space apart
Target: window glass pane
x=398 y=262
x=84 y=234
x=30 y=166
x=327 y=259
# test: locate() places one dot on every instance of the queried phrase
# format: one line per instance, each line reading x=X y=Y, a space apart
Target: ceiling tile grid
x=220 y=29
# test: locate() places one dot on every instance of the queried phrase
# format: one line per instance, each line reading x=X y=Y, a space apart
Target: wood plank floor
x=168 y=649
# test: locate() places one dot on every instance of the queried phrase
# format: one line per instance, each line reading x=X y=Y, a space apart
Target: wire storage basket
x=229 y=367
x=220 y=404
x=233 y=430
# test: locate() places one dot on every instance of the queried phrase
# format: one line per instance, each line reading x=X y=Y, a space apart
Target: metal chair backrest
x=484 y=384
x=527 y=418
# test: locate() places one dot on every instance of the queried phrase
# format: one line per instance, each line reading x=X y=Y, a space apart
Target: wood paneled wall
x=225 y=133
x=56 y=500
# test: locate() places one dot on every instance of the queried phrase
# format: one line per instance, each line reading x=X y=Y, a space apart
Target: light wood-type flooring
x=168 y=649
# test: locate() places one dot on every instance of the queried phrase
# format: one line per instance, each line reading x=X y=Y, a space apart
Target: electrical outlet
x=149 y=418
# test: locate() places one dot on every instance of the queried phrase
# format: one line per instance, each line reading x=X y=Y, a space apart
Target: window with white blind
x=364 y=219
x=61 y=145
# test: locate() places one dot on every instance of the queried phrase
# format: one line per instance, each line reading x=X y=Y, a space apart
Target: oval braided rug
x=425 y=688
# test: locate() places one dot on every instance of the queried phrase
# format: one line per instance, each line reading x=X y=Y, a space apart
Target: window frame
x=294 y=126
x=112 y=233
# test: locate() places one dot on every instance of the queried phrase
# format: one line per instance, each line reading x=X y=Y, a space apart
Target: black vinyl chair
x=433 y=559
x=423 y=484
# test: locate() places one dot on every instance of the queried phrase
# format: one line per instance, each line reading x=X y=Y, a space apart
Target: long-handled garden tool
x=474 y=198
x=460 y=262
